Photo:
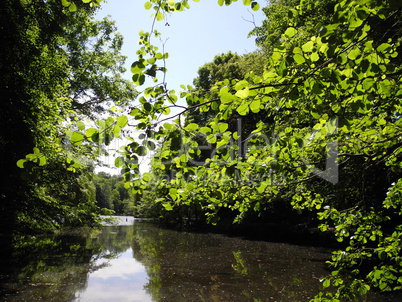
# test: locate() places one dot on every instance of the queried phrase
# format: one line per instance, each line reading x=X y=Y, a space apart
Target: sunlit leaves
x=36 y=157
x=77 y=137
x=192 y=127
x=255 y=6
x=243 y=93
x=255 y=106
x=243 y=109
x=290 y=32
x=71 y=6
x=308 y=47
x=308 y=83
x=159 y=16
x=122 y=121
x=299 y=59
x=148 y=5
x=139 y=79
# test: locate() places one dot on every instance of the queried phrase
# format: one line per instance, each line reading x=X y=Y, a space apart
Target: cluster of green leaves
x=62 y=68
x=330 y=97
x=73 y=5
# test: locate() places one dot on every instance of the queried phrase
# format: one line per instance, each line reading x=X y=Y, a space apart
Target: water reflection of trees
x=180 y=266
x=55 y=268
x=205 y=267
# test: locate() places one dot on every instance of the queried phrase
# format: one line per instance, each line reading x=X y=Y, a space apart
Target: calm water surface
x=137 y=261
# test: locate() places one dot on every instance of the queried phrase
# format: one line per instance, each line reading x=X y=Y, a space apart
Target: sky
x=192 y=37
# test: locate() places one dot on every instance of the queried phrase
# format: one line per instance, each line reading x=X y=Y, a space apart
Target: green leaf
x=165 y=110
x=223 y=127
x=65 y=3
x=308 y=47
x=122 y=121
x=314 y=57
x=354 y=53
x=255 y=106
x=382 y=255
x=77 y=137
x=173 y=193
x=147 y=107
x=42 y=160
x=147 y=177
x=244 y=93
x=255 y=6
x=147 y=5
x=80 y=125
x=139 y=79
x=137 y=66
x=159 y=16
x=116 y=131
x=205 y=130
x=243 y=109
x=368 y=84
x=141 y=151
x=167 y=206
x=326 y=283
x=72 y=7
x=299 y=59
x=184 y=158
x=119 y=162
x=95 y=137
x=168 y=126
x=282 y=69
x=20 y=163
x=240 y=85
x=192 y=127
x=225 y=95
x=315 y=115
x=151 y=145
x=90 y=131
x=290 y=32
x=383 y=47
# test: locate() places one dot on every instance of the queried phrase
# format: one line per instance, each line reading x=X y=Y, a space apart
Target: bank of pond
x=137 y=260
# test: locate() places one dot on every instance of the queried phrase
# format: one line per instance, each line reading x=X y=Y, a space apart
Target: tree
x=112 y=195
x=332 y=102
x=331 y=98
x=45 y=87
x=95 y=65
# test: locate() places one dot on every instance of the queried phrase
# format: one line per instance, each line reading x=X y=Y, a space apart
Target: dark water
x=141 y=262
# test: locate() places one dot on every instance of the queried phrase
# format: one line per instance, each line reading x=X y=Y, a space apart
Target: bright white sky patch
x=123 y=280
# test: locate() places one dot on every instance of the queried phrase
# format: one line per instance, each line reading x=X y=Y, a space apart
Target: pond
x=138 y=261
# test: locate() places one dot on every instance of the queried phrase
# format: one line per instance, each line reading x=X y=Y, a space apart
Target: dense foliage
x=323 y=132
x=328 y=142
x=111 y=195
x=58 y=66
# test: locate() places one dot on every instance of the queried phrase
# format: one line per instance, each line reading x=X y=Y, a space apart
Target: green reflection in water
x=56 y=268
x=208 y=267
x=142 y=263
x=47 y=268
